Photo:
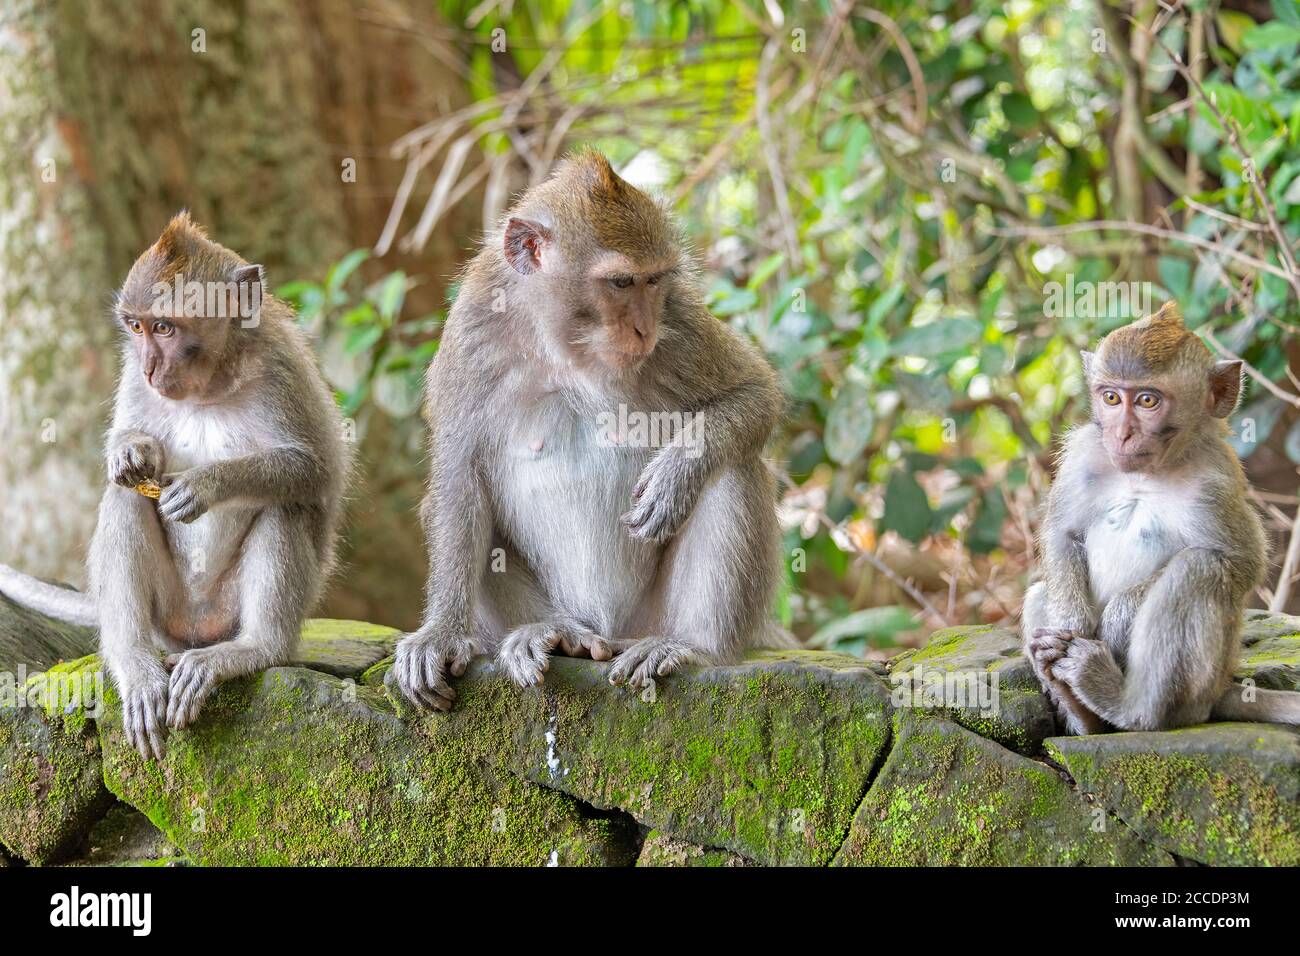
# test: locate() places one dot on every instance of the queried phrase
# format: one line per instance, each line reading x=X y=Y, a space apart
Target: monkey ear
x=251 y=273
x=1089 y=360
x=1225 y=387
x=524 y=240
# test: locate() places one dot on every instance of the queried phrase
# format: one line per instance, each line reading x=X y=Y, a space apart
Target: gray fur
x=661 y=556
x=1145 y=574
x=219 y=573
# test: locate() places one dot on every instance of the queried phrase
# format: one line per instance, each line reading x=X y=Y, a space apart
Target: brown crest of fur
x=624 y=218
x=1152 y=345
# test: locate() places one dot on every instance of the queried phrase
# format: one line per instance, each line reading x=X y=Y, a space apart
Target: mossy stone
x=660 y=849
x=978 y=678
x=51 y=784
x=297 y=767
x=947 y=797
x=1218 y=793
x=767 y=758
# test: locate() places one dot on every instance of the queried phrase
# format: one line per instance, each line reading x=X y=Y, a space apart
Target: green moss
x=948 y=797
x=51 y=789
x=287 y=769
x=1220 y=794
x=767 y=758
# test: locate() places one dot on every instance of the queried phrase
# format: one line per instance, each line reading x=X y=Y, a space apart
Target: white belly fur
x=205 y=549
x=562 y=510
x=1139 y=531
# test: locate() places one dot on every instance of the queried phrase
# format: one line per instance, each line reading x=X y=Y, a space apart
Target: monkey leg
x=711 y=598
x=134 y=579
x=1043 y=646
x=277 y=581
x=514 y=613
x=1177 y=654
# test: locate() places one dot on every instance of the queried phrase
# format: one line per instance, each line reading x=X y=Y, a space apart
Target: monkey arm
x=1065 y=572
x=1176 y=652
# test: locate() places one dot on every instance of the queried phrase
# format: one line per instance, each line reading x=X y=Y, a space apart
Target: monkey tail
x=62 y=604
x=1269 y=706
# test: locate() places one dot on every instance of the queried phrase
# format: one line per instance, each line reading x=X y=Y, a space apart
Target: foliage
x=920 y=212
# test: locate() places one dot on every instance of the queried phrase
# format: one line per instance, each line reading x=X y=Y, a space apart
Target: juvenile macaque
x=223 y=417
x=1150 y=549
x=549 y=528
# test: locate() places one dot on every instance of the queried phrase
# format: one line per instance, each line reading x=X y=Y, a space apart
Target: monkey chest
x=559 y=489
x=1133 y=537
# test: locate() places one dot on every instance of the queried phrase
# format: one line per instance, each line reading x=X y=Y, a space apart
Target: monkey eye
x=1147 y=400
x=163 y=328
x=135 y=325
x=620 y=282
x=654 y=279
x=1110 y=396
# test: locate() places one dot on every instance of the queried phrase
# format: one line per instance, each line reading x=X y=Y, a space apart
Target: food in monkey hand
x=150 y=489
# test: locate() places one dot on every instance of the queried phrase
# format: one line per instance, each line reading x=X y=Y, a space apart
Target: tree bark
x=113 y=117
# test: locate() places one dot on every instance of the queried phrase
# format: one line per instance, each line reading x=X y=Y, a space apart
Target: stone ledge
x=796 y=757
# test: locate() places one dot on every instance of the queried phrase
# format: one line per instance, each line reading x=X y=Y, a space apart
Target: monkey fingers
x=421 y=665
x=646 y=659
x=578 y=640
x=180 y=500
x=143 y=715
x=526 y=652
x=193 y=680
x=134 y=464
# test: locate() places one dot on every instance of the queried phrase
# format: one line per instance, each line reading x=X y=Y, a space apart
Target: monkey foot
x=193 y=681
x=143 y=720
x=422 y=664
x=652 y=657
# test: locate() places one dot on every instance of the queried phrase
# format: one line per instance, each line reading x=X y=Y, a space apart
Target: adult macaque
x=221 y=405
x=547 y=529
x=1150 y=549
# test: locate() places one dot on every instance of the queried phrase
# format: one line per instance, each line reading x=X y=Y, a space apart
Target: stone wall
x=807 y=758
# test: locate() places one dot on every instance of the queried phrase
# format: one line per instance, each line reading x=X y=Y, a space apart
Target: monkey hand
x=1047 y=646
x=135 y=461
x=187 y=495
x=648 y=658
x=1088 y=668
x=422 y=663
x=665 y=495
x=525 y=654
x=144 y=711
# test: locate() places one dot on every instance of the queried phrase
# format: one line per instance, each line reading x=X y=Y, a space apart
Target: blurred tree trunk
x=113 y=117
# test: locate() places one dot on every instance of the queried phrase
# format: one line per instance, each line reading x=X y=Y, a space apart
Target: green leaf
x=937 y=338
x=390 y=295
x=849 y=424
x=907 y=510
x=766 y=269
x=985 y=532
x=362 y=339
x=868 y=623
x=342 y=269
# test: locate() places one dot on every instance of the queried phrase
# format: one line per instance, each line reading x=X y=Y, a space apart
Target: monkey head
x=599 y=258
x=1153 y=387
x=182 y=307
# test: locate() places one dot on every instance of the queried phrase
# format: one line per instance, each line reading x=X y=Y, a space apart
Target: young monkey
x=1150 y=549
x=223 y=416
x=551 y=530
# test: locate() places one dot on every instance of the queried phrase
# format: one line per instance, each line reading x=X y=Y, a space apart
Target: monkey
x=221 y=404
x=1150 y=548
x=550 y=527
